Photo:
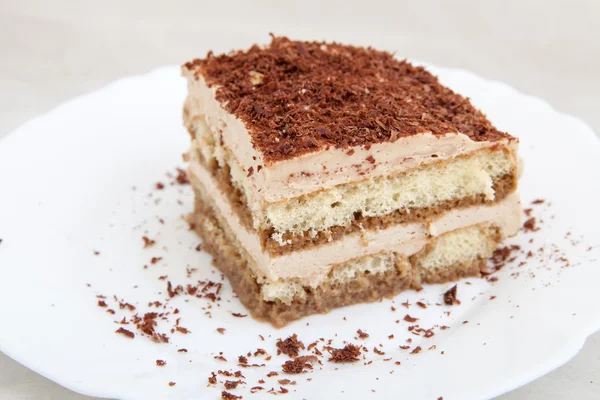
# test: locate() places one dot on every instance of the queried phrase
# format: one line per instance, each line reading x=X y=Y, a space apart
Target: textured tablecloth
x=51 y=51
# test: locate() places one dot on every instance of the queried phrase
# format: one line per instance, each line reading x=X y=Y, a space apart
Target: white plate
x=66 y=190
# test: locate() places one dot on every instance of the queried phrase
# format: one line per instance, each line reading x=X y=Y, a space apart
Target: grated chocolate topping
x=301 y=97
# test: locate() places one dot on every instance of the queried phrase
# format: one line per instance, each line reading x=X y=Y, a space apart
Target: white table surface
x=51 y=51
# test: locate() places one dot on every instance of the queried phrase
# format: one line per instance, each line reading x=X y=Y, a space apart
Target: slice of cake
x=327 y=175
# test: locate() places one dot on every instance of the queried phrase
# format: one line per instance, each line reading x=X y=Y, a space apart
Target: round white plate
x=67 y=182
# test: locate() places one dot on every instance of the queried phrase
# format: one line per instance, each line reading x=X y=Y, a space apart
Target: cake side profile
x=327 y=175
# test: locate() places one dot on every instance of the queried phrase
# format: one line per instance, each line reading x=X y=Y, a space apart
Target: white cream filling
x=314 y=264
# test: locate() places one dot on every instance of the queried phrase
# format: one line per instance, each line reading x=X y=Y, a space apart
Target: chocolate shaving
x=408 y=318
x=181 y=177
x=450 y=296
x=314 y=95
x=290 y=346
x=125 y=332
x=530 y=226
x=299 y=364
x=232 y=384
x=228 y=396
x=348 y=353
x=148 y=242
x=362 y=334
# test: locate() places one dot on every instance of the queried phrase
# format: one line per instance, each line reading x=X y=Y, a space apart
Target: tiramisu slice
x=327 y=175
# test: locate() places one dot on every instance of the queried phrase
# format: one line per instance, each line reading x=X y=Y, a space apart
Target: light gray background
x=51 y=51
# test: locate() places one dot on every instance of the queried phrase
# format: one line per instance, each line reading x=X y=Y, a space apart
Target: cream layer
x=313 y=265
x=324 y=169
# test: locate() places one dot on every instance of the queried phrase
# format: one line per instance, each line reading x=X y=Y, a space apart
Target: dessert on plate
x=327 y=175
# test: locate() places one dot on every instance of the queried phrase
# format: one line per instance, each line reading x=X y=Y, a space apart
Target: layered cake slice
x=327 y=175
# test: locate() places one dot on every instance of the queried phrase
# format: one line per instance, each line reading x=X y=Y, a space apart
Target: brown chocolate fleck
x=161 y=363
x=408 y=318
x=238 y=315
x=371 y=159
x=348 y=353
x=416 y=350
x=250 y=172
x=160 y=185
x=362 y=334
x=148 y=242
x=232 y=384
x=530 y=225
x=290 y=346
x=172 y=384
x=125 y=332
x=181 y=177
x=212 y=379
x=299 y=364
x=221 y=330
x=101 y=303
x=450 y=296
x=377 y=351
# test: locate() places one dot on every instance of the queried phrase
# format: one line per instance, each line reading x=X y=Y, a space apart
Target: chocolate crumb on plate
x=228 y=396
x=290 y=346
x=148 y=242
x=181 y=177
x=125 y=332
x=212 y=379
x=348 y=353
x=408 y=318
x=450 y=296
x=530 y=225
x=161 y=363
x=232 y=384
x=299 y=364
x=172 y=384
x=362 y=334
x=238 y=315
x=221 y=330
